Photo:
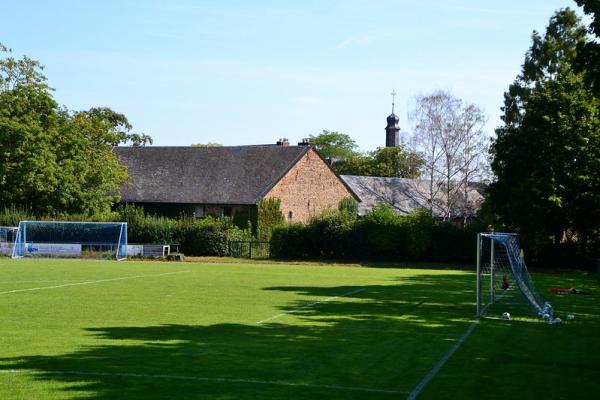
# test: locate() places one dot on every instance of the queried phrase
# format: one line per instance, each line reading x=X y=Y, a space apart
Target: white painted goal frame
x=502 y=274
x=73 y=239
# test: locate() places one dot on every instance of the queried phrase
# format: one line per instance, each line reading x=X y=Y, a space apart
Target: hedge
x=382 y=234
x=205 y=237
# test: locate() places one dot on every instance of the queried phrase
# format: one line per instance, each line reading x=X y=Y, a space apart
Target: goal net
x=7 y=239
x=503 y=278
x=104 y=240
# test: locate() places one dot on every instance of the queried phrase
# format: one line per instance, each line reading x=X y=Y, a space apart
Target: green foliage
x=291 y=241
x=334 y=145
x=395 y=162
x=588 y=57
x=209 y=144
x=11 y=216
x=547 y=154
x=54 y=161
x=197 y=237
x=202 y=237
x=348 y=205
x=269 y=217
x=385 y=161
x=382 y=234
x=22 y=72
x=142 y=228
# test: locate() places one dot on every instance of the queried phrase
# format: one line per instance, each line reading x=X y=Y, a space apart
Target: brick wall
x=308 y=188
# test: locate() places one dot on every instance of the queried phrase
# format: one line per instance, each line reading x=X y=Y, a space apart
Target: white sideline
x=309 y=305
x=203 y=379
x=431 y=374
x=91 y=282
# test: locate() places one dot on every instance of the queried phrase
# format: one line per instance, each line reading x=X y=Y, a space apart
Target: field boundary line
x=92 y=282
x=431 y=374
x=203 y=379
x=309 y=305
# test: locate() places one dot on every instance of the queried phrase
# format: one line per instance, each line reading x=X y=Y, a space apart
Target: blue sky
x=250 y=72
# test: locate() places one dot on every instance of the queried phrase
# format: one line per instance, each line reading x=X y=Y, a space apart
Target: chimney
x=283 y=142
x=304 y=142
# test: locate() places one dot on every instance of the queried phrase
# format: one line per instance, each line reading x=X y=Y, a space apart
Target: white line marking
x=308 y=305
x=92 y=282
x=431 y=374
x=203 y=379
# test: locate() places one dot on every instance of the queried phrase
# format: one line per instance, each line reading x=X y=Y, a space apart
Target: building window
x=200 y=212
x=227 y=211
x=290 y=215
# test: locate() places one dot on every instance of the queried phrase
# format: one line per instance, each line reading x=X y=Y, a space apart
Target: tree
x=334 y=145
x=449 y=138
x=546 y=156
x=52 y=160
x=588 y=59
x=23 y=72
x=395 y=162
x=113 y=128
x=209 y=144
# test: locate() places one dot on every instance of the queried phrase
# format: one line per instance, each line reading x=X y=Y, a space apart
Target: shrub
x=269 y=217
x=291 y=241
x=11 y=216
x=348 y=205
x=142 y=228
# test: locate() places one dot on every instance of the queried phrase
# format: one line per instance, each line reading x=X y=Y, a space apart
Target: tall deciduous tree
x=588 y=60
x=334 y=145
x=384 y=161
x=53 y=160
x=448 y=135
x=546 y=156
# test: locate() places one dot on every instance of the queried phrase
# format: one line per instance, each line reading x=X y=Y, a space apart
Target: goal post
x=103 y=240
x=503 y=277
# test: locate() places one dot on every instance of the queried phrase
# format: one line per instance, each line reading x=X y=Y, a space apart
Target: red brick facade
x=308 y=188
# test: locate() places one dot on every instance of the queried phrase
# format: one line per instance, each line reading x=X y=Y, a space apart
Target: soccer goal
x=503 y=278
x=104 y=240
x=7 y=239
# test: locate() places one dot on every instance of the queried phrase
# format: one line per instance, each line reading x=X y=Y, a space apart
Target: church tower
x=392 y=130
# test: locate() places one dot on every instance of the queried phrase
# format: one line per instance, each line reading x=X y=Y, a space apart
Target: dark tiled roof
x=404 y=195
x=205 y=175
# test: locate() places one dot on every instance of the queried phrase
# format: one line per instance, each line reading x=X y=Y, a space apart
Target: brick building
x=230 y=181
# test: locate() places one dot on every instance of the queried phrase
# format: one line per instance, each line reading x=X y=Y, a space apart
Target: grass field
x=72 y=329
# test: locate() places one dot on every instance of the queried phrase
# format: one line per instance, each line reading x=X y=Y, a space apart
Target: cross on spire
x=393 y=99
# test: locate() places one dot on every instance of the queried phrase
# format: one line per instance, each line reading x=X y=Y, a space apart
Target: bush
x=382 y=234
x=269 y=217
x=452 y=243
x=11 y=216
x=292 y=242
x=142 y=228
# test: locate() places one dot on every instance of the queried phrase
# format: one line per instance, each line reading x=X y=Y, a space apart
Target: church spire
x=392 y=130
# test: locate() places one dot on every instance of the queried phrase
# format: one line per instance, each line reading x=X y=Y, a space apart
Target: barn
x=230 y=180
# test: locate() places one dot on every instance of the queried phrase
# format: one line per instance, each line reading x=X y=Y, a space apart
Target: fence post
x=250 y=250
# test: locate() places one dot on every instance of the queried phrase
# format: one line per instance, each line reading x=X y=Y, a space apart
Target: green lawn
x=72 y=329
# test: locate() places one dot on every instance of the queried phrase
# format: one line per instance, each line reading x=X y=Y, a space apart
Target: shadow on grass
x=376 y=342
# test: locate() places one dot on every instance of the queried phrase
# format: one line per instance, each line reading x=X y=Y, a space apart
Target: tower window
x=290 y=215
